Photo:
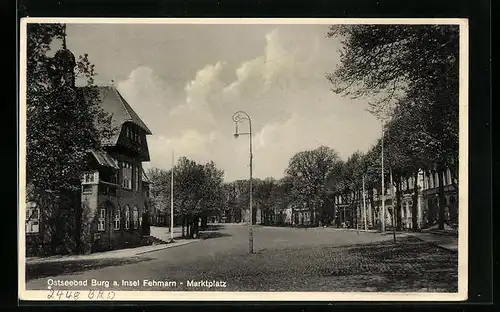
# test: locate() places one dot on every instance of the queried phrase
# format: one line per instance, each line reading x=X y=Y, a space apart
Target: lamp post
x=237 y=118
x=172 y=201
x=382 y=218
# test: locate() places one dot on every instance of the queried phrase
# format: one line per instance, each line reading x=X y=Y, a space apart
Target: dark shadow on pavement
x=213 y=227
x=400 y=266
x=213 y=234
x=46 y=269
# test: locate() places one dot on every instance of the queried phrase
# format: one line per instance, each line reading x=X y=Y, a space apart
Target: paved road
x=285 y=259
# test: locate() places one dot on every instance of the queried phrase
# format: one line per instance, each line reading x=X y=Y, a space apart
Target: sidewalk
x=113 y=254
x=442 y=240
x=446 y=239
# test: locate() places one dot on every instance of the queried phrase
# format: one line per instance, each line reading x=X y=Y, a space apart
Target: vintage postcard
x=243 y=159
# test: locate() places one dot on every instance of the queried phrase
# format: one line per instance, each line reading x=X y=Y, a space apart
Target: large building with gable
x=114 y=189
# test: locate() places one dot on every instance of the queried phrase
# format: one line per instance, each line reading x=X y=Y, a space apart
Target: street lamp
x=382 y=219
x=237 y=118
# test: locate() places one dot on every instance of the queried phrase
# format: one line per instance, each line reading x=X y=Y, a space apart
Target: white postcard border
x=84 y=295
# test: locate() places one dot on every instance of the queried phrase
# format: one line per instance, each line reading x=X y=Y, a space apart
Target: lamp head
x=236 y=134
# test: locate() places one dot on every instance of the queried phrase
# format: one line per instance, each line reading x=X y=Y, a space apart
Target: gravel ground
x=285 y=260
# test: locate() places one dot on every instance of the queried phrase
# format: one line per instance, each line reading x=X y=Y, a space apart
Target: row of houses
x=342 y=211
x=346 y=213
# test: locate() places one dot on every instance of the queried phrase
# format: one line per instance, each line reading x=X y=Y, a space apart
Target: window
x=127 y=218
x=116 y=223
x=138 y=178
x=135 y=217
x=90 y=177
x=126 y=175
x=87 y=189
x=32 y=218
x=101 y=225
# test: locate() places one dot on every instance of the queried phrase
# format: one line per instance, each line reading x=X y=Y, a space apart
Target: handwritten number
x=58 y=295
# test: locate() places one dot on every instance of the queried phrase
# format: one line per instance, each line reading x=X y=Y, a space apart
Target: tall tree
x=401 y=65
x=283 y=198
x=160 y=190
x=212 y=191
x=309 y=171
x=408 y=148
x=198 y=192
x=265 y=198
x=63 y=123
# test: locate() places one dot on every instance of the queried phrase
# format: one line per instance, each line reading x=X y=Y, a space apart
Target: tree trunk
x=355 y=209
x=442 y=199
x=204 y=221
x=312 y=211
x=372 y=205
x=183 y=221
x=414 y=206
x=194 y=226
x=397 y=207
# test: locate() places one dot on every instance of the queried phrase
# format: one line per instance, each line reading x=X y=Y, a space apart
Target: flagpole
x=393 y=208
x=172 y=201
x=382 y=194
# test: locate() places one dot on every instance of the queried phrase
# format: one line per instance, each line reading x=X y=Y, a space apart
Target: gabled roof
x=114 y=103
x=104 y=159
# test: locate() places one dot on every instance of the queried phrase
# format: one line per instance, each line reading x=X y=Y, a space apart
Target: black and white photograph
x=243 y=159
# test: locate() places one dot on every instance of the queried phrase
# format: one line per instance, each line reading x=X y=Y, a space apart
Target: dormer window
x=126 y=175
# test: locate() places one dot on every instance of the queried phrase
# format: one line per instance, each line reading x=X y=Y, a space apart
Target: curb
x=165 y=246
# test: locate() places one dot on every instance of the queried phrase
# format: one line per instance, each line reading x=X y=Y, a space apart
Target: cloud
x=283 y=89
x=205 y=84
x=150 y=97
x=190 y=143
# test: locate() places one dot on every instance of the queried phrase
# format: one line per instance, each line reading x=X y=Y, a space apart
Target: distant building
x=346 y=210
x=427 y=202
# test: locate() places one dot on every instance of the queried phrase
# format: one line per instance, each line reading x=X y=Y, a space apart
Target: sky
x=186 y=81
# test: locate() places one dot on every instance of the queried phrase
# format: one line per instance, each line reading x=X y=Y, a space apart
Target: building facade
x=349 y=211
x=114 y=191
x=427 y=202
